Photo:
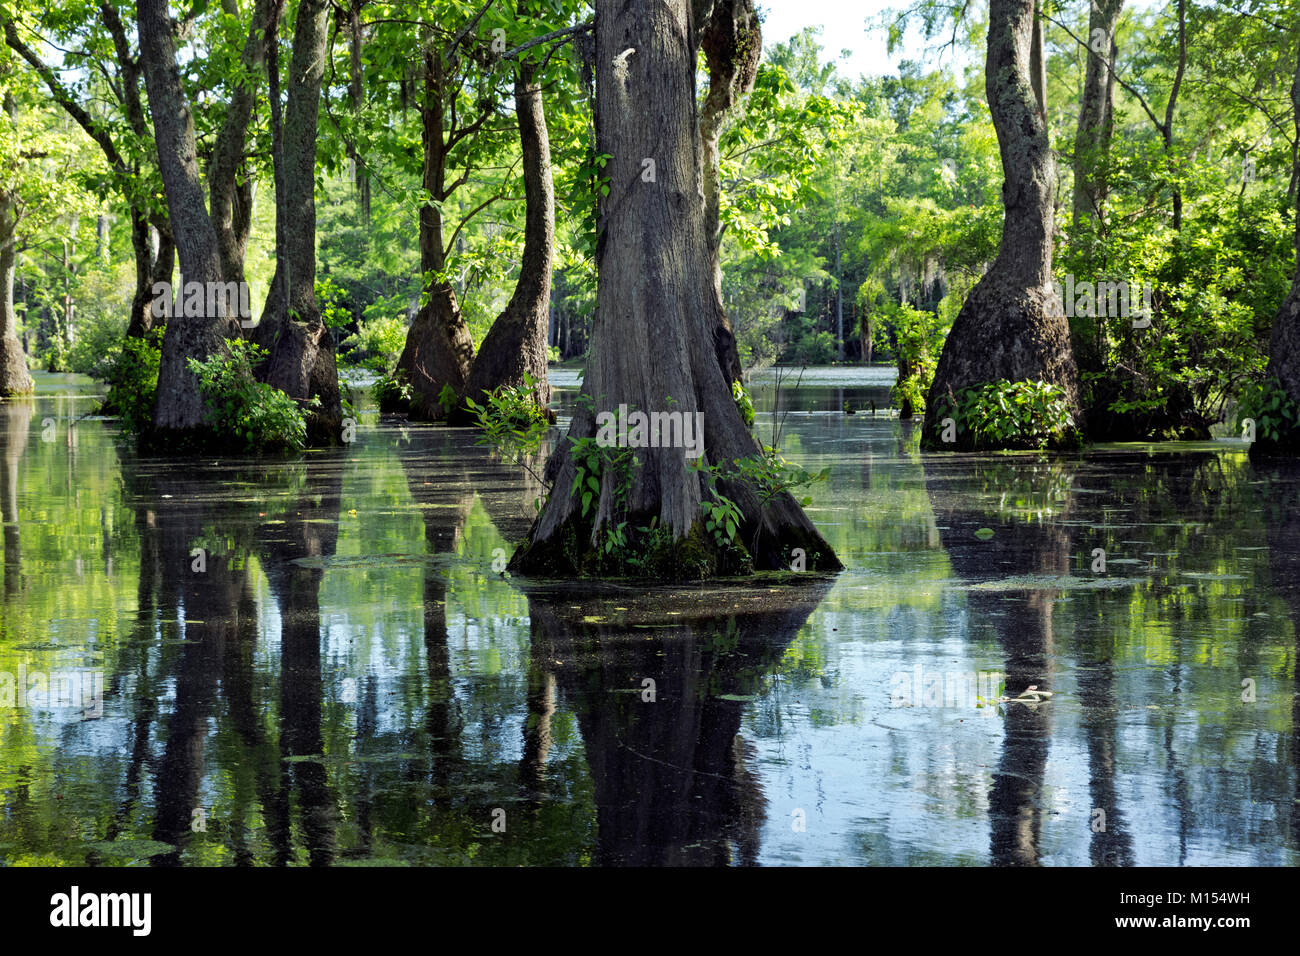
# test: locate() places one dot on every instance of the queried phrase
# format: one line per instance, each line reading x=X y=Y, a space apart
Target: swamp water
x=313 y=661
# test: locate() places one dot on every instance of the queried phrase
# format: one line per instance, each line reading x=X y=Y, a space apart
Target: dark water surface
x=312 y=660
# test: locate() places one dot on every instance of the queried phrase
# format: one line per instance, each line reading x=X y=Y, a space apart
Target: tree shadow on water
x=659 y=682
x=1006 y=525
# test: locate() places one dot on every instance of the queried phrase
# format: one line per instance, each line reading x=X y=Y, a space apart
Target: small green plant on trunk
x=743 y=403
x=242 y=412
x=768 y=474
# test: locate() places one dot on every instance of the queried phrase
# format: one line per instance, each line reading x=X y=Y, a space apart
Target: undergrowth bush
x=1276 y=415
x=242 y=411
x=133 y=382
x=1003 y=414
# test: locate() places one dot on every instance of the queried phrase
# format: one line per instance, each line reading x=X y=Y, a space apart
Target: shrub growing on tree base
x=243 y=412
x=1011 y=415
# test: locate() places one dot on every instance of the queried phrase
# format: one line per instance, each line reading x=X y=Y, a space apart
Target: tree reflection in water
x=669 y=768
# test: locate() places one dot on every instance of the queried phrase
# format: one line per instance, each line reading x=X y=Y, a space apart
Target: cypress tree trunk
x=180 y=405
x=356 y=97
x=1012 y=325
x=1096 y=116
x=231 y=200
x=1091 y=161
x=733 y=44
x=151 y=267
x=302 y=362
x=653 y=343
x=516 y=343
x=14 y=377
x=439 y=347
x=1284 y=343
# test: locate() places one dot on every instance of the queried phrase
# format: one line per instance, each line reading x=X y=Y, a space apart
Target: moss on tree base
x=654 y=554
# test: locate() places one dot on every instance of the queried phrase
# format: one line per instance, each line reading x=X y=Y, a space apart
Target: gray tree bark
x=180 y=406
x=1012 y=325
x=1096 y=114
x=733 y=44
x=231 y=199
x=1284 y=342
x=439 y=348
x=14 y=377
x=1092 y=157
x=652 y=346
x=356 y=95
x=302 y=362
x=151 y=267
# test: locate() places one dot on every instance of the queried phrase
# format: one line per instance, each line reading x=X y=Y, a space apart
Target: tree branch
x=1110 y=65
x=456 y=41
x=553 y=35
x=1178 y=76
x=64 y=98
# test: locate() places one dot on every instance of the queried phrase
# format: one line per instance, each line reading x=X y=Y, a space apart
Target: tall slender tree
x=230 y=185
x=1096 y=115
x=515 y=346
x=1012 y=325
x=732 y=41
x=180 y=406
x=302 y=362
x=14 y=377
x=456 y=102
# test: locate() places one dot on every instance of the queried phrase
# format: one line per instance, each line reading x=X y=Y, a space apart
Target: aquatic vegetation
x=1010 y=415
